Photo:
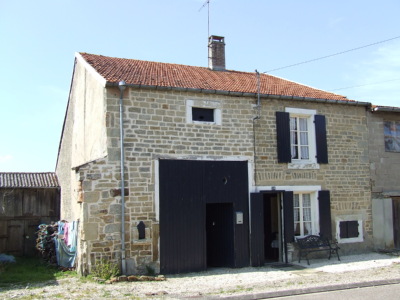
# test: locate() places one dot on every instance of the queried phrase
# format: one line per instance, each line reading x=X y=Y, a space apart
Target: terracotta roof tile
x=147 y=73
x=28 y=180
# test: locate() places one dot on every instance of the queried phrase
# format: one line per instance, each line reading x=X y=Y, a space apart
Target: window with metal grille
x=202 y=114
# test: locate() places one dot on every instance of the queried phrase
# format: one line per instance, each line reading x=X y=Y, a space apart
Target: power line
x=356 y=86
x=327 y=56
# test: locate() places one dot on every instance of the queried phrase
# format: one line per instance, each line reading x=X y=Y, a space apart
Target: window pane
x=296 y=200
x=304 y=152
x=296 y=215
x=303 y=124
x=306 y=200
x=202 y=114
x=307 y=214
x=293 y=124
x=307 y=228
x=295 y=154
x=303 y=138
x=297 y=229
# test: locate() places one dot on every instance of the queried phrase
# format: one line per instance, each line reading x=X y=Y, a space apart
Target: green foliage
x=105 y=269
x=30 y=270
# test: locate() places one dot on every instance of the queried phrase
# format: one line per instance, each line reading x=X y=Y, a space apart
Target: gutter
x=241 y=94
x=386 y=109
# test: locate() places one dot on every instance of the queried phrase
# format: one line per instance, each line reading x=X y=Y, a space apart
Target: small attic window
x=202 y=114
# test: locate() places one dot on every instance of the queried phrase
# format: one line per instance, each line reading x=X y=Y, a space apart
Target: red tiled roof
x=28 y=180
x=147 y=73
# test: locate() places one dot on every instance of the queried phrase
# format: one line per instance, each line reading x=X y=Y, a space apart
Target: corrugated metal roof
x=29 y=180
x=164 y=75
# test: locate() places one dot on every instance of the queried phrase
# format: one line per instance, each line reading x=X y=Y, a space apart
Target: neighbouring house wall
x=385 y=175
x=385 y=178
x=155 y=127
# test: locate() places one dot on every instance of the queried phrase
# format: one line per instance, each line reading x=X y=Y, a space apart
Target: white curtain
x=304 y=138
x=307 y=213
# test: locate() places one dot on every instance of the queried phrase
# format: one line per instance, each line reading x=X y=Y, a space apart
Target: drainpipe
x=254 y=129
x=122 y=86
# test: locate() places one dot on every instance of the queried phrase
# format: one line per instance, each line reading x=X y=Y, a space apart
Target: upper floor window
x=300 y=148
x=202 y=114
x=392 y=136
x=203 y=111
x=301 y=138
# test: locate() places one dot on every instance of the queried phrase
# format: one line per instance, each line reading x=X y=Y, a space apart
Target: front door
x=219 y=232
x=272 y=227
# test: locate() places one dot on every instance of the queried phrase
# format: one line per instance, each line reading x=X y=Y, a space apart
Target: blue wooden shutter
x=283 y=137
x=324 y=204
x=320 y=139
x=288 y=216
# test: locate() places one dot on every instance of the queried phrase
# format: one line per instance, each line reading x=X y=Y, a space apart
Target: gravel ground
x=222 y=282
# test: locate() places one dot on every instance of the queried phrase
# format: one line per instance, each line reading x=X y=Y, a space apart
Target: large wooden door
x=15 y=237
x=192 y=192
x=19 y=237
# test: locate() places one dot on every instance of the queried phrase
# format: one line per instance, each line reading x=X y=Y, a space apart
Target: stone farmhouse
x=221 y=168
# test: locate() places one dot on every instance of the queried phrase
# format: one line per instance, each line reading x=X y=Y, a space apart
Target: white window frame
x=311 y=162
x=358 y=239
x=314 y=211
x=216 y=106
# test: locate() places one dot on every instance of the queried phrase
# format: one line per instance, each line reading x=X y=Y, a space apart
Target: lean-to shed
x=26 y=201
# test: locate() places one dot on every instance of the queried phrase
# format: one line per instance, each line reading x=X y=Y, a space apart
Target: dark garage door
x=186 y=187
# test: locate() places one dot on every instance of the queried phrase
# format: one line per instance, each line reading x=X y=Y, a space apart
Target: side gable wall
x=84 y=137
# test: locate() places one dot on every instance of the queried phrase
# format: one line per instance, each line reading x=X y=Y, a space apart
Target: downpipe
x=122 y=86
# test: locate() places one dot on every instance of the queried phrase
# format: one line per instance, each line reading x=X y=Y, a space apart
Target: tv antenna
x=207 y=3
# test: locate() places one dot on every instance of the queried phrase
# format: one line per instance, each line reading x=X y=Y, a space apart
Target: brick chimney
x=216 y=53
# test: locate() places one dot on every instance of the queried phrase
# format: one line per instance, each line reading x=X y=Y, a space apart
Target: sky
x=38 y=41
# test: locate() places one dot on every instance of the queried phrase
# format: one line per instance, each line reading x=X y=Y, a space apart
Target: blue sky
x=39 y=39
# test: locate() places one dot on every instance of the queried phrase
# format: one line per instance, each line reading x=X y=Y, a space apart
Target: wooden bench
x=315 y=243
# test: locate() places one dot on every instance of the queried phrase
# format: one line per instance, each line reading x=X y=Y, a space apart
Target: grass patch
x=30 y=270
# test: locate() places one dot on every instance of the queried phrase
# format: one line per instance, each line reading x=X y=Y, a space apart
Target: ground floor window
x=304 y=212
x=349 y=229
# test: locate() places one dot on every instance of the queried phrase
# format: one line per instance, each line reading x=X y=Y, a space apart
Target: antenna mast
x=208 y=18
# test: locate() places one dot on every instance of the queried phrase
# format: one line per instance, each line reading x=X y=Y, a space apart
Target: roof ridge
x=151 y=74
